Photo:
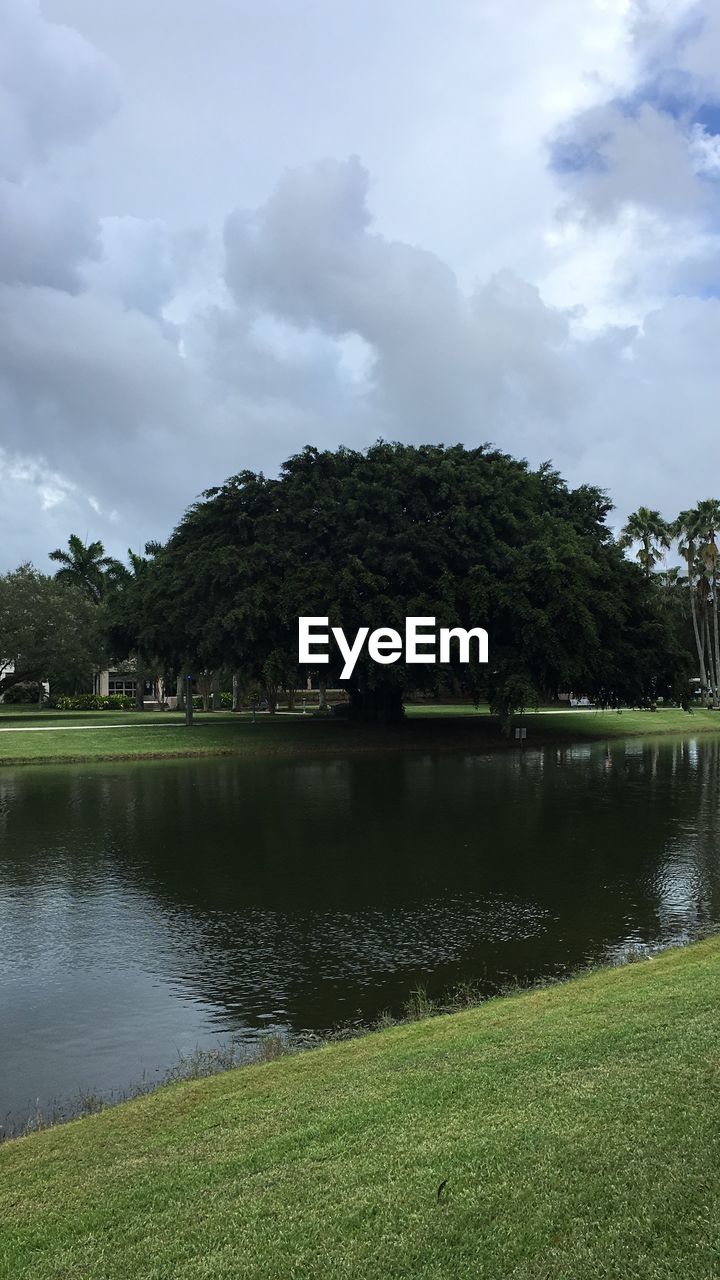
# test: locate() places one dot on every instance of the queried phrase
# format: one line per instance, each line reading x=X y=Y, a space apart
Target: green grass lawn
x=575 y=1130
x=626 y=723
x=108 y=735
x=567 y=722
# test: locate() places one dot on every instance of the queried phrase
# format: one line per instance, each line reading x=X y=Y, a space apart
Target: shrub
x=93 y=702
x=22 y=694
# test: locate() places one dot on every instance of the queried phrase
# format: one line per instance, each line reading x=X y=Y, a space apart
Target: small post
x=188 y=701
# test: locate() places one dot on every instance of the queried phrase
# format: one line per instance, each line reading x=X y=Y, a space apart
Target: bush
x=119 y=702
x=94 y=702
x=253 y=698
x=22 y=694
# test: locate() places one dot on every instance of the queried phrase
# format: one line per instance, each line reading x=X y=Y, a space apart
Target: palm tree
x=687 y=531
x=86 y=565
x=652 y=532
x=708 y=522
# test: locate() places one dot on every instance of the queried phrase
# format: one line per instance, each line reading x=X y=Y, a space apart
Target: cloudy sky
x=230 y=230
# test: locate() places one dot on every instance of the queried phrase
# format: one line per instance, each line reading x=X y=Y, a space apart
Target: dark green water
x=147 y=909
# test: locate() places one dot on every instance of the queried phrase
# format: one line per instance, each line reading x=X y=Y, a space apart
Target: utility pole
x=188 y=701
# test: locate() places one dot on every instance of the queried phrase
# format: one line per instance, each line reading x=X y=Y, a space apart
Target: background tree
x=127 y=637
x=86 y=566
x=688 y=532
x=707 y=521
x=49 y=629
x=652 y=532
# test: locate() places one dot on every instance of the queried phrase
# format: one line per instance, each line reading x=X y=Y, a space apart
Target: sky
x=231 y=230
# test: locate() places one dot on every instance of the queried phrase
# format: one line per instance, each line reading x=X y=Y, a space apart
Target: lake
x=146 y=909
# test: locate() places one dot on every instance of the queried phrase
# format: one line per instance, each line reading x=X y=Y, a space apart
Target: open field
x=108 y=735
x=574 y=1131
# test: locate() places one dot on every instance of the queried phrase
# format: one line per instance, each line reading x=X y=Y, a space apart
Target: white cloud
x=186 y=289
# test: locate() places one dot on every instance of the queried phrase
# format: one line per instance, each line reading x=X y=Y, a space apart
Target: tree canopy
x=86 y=566
x=48 y=629
x=471 y=537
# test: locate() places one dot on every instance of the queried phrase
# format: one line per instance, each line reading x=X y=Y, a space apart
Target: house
x=122 y=682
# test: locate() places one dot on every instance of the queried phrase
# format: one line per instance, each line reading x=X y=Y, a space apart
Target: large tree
x=470 y=537
x=48 y=629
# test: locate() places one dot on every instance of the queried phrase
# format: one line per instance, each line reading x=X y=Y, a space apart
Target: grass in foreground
x=575 y=1132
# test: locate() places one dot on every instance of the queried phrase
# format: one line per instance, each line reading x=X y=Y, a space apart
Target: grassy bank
x=27 y=737
x=575 y=1132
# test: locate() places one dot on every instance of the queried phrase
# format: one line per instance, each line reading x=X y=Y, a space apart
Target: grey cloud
x=141 y=263
x=55 y=90
x=55 y=87
x=649 y=422
x=610 y=157
x=441 y=359
x=643 y=146
x=44 y=235
x=84 y=382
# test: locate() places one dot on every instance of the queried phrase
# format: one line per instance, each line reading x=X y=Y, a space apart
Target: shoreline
x=560 y=1130
x=423 y=729
x=205 y=1064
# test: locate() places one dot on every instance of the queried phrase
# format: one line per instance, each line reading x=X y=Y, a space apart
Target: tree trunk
x=236 y=695
x=204 y=687
x=322 y=693
x=180 y=692
x=215 y=687
x=648 y=570
x=715 y=632
x=139 y=685
x=696 y=630
x=290 y=694
x=707 y=649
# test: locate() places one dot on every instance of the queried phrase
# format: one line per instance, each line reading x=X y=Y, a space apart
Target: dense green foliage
x=93 y=702
x=470 y=537
x=48 y=629
x=572 y=1133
